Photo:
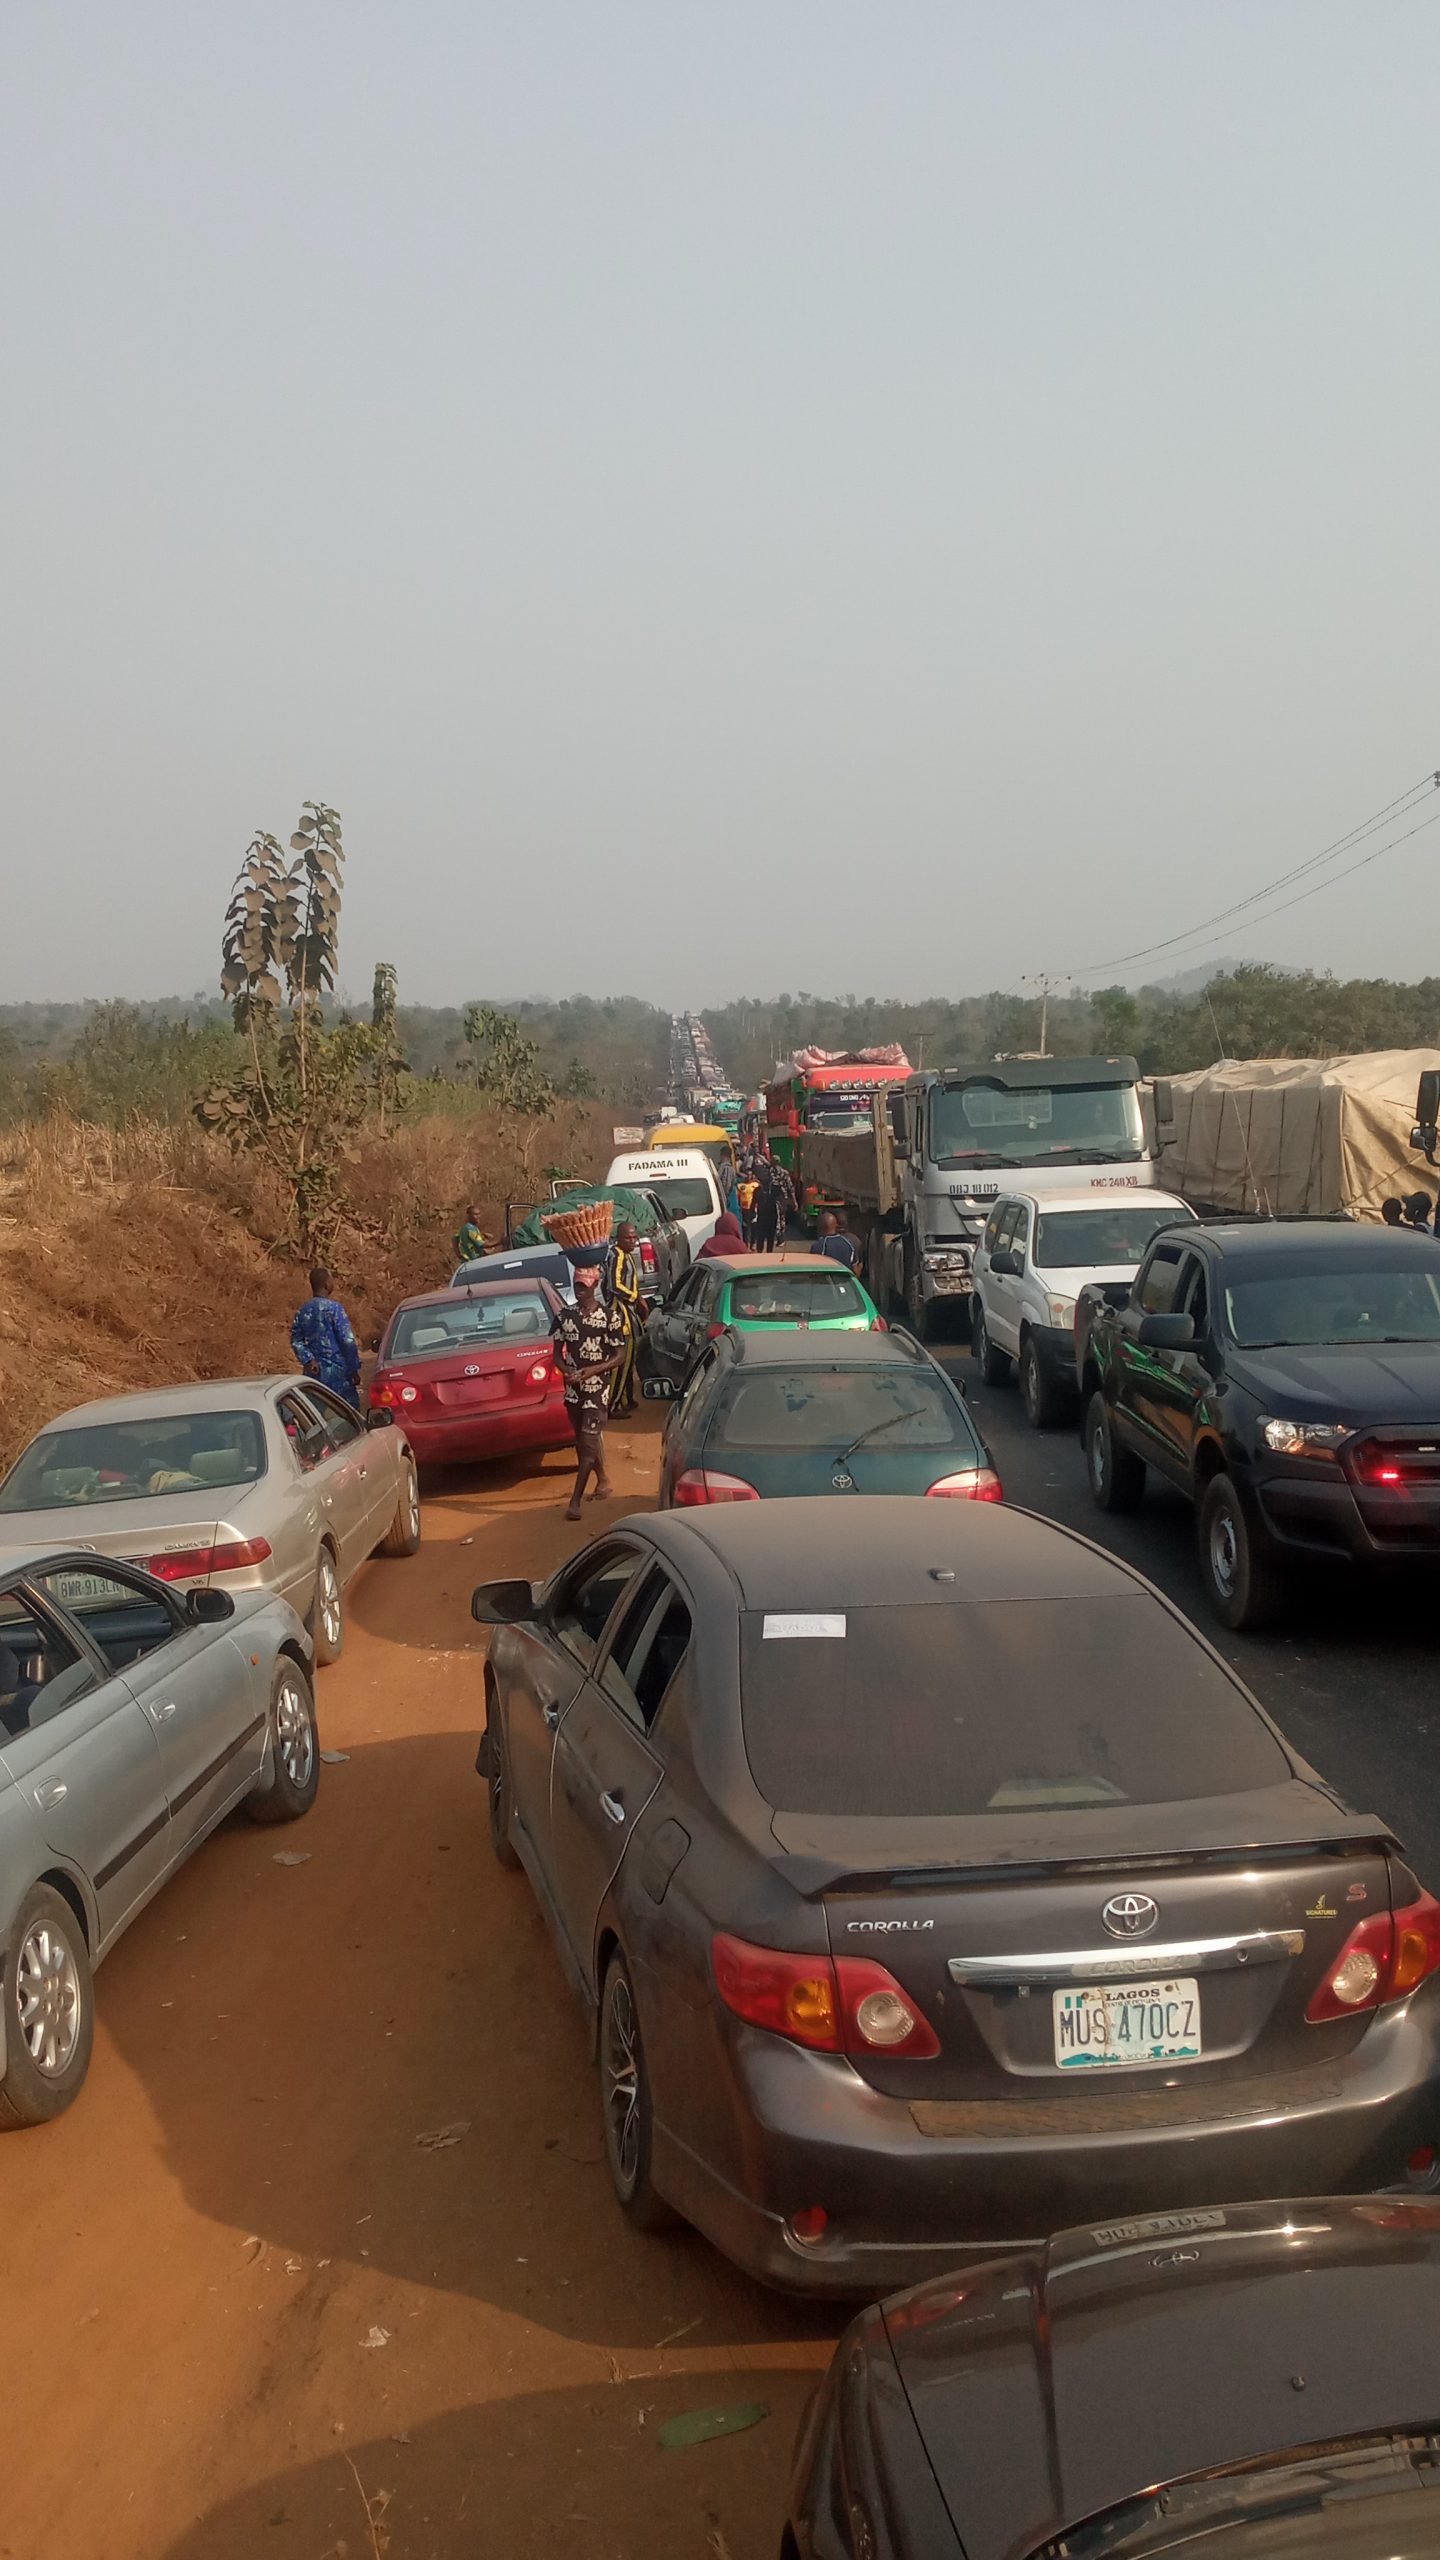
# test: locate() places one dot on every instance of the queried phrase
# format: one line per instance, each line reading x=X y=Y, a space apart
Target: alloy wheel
x=328 y=1599
x=412 y=1505
x=47 y=1994
x=620 y=2067
x=294 y=1734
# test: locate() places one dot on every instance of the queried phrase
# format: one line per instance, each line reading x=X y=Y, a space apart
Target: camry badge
x=1130 y=1915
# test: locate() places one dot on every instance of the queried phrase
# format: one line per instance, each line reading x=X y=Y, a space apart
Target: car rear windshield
x=790 y=1297
x=1003 y=1707
x=899 y=1408
x=506 y=1315
x=690 y=1199
x=119 y=1461
x=1369 y=1302
x=1081 y=1239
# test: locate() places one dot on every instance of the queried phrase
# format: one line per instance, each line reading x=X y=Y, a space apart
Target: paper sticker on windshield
x=803 y=1627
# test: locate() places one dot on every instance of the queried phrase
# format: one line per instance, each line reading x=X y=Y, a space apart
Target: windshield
x=1090 y=1239
x=831 y=1408
x=988 y=1123
x=1367 y=2502
x=997 y=1707
x=693 y=1199
x=118 y=1461
x=795 y=1297
x=838 y=1113
x=501 y=1316
x=1306 y=1309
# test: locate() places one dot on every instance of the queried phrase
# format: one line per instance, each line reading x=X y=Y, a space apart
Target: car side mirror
x=379 y=1418
x=1006 y=1263
x=208 y=1606
x=503 y=1604
x=374 y=1342
x=659 y=1390
x=1168 y=1333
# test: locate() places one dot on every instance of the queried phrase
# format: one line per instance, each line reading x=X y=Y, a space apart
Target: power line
x=1341 y=844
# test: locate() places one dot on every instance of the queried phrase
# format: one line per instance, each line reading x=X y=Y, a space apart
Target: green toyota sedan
x=756 y=1293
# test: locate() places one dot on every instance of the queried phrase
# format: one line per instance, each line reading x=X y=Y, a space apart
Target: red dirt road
x=249 y=2312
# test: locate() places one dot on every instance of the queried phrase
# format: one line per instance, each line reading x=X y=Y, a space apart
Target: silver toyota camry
x=264 y=1484
x=132 y=1718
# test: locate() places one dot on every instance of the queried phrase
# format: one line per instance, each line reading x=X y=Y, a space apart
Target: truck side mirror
x=1168 y=1333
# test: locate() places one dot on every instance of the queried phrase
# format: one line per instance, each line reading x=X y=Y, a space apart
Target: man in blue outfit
x=834 y=1243
x=323 y=1341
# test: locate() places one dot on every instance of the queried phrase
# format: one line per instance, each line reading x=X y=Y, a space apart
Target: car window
x=694 y=1393
x=1353 y=1302
x=305 y=1432
x=997 y=1707
x=904 y=1407
x=342 y=1422
x=993 y=1225
x=587 y=1594
x=171 y=1453
x=650 y=1643
x=795 y=1295
x=1009 y=1228
x=124 y=1620
x=1157 y=1287
x=1088 y=1239
x=1192 y=1294
x=41 y=1670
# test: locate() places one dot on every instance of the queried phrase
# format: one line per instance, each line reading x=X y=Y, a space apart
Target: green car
x=756 y=1293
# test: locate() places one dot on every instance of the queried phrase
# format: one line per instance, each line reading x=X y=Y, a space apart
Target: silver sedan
x=132 y=1718
x=263 y=1484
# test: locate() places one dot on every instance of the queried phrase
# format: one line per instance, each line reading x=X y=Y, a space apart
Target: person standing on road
x=323 y=1340
x=589 y=1340
x=725 y=1243
x=748 y=1189
x=1393 y=1211
x=766 y=1219
x=834 y=1243
x=786 y=1200
x=622 y=1288
x=1417 y=1206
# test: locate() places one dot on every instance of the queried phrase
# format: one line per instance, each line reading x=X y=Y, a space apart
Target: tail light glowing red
x=1383 y=1960
x=836 y=2004
x=702 y=1484
x=191 y=1564
x=972 y=1484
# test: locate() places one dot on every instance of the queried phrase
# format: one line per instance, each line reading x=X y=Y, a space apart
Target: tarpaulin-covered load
x=891 y=1055
x=1293 y=1137
x=627 y=1204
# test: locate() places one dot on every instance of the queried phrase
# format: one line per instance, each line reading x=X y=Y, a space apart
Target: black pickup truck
x=1285 y=1375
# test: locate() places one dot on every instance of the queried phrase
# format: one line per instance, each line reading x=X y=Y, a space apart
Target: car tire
x=497 y=1786
x=994 y=1365
x=1244 y=1584
x=327 y=1612
x=1117 y=1476
x=1040 y=1397
x=626 y=2116
x=49 y=2003
x=294 y=1749
x=402 y=1538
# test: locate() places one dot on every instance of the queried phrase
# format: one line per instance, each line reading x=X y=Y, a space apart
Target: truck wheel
x=1243 y=1582
x=994 y=1365
x=1117 y=1476
x=1041 y=1398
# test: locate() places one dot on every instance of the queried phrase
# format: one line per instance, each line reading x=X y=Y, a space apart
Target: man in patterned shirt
x=590 y=1343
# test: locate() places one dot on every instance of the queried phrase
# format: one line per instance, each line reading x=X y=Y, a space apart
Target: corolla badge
x=1130 y=1915
x=471 y=1369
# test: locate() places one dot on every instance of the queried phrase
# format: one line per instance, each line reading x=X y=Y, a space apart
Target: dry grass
x=134 y=1256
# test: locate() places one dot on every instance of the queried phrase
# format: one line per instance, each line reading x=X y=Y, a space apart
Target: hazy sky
x=727 y=496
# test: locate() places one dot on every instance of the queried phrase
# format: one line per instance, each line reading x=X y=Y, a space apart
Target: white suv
x=1037 y=1253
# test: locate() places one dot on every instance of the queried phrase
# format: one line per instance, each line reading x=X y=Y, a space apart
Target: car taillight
x=1384 y=1959
x=648 y=1262
x=186 y=1564
x=702 y=1484
x=842 y=2004
x=384 y=1391
x=879 y=1325
x=972 y=1484
x=713 y=1332
x=540 y=1374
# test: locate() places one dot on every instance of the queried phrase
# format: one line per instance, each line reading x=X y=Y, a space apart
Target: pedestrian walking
x=323 y=1340
x=725 y=1243
x=767 y=1210
x=748 y=1189
x=589 y=1343
x=786 y=1201
x=833 y=1242
x=621 y=1284
x=470 y=1238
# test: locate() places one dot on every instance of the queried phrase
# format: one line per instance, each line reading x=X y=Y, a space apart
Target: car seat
x=17 y=1693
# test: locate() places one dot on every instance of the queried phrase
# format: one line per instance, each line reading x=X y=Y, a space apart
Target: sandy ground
x=249 y=2311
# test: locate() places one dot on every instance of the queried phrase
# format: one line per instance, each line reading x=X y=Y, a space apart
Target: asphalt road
x=1353 y=1675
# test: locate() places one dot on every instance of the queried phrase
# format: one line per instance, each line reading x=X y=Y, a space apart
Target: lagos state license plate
x=1124 y=2025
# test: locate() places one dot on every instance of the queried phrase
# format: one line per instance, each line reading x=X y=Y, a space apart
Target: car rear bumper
x=912 y=2188
x=490 y=1435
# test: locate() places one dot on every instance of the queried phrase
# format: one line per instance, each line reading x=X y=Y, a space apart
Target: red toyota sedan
x=471 y=1372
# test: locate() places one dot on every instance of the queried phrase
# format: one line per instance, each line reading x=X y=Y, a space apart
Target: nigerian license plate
x=1123 y=2025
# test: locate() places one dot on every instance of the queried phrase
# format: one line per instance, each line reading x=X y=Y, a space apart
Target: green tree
x=506 y=1065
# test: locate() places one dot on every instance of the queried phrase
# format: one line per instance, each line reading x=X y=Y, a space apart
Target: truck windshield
x=837 y=1113
x=1048 y=1124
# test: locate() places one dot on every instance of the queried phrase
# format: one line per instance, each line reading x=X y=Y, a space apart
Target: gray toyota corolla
x=931 y=1884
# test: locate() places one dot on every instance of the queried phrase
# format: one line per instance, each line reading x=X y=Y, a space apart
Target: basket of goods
x=587 y=1224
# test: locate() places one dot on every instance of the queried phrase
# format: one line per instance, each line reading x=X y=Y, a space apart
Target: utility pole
x=1045 y=981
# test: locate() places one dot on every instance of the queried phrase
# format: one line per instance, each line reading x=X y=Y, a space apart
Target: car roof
x=1092 y=2345
x=885 y=1551
x=1333 y=1239
x=740 y=1265
x=1106 y=1195
x=469 y=1289
x=198 y=1395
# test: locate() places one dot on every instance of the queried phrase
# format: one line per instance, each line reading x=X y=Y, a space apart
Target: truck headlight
x=1301 y=1439
x=956 y=1259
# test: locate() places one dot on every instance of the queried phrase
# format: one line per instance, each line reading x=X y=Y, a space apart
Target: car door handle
x=163 y=1714
x=550 y=1710
x=53 y=1792
x=612 y=1808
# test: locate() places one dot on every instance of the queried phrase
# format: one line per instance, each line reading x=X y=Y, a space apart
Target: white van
x=1038 y=1251
x=684 y=1180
